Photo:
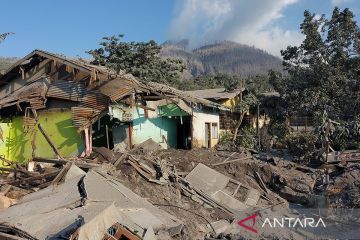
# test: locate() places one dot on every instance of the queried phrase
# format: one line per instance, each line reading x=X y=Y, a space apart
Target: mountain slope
x=223 y=57
x=6 y=62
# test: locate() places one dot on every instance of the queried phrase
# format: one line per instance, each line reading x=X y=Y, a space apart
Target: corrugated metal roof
x=68 y=90
x=82 y=116
x=189 y=98
x=95 y=100
x=33 y=93
x=120 y=87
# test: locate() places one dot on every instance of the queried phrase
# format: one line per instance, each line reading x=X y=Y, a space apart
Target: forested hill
x=223 y=57
x=6 y=62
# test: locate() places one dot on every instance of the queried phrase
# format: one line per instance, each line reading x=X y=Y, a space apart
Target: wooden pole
x=107 y=136
x=87 y=144
x=257 y=125
x=49 y=141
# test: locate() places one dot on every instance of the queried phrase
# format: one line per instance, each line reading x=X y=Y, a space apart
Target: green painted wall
x=15 y=144
x=171 y=110
x=155 y=128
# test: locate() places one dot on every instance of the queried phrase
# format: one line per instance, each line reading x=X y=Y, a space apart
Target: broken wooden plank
x=61 y=174
x=231 y=161
x=86 y=165
x=5 y=236
x=49 y=141
x=145 y=107
x=78 y=163
x=143 y=173
x=144 y=167
x=31 y=179
x=48 y=160
x=260 y=181
x=228 y=158
x=120 y=159
x=10 y=163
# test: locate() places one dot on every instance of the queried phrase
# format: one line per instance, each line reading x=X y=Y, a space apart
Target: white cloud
x=248 y=22
x=339 y=2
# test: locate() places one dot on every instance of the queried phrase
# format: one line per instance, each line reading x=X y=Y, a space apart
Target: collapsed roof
x=216 y=93
x=86 y=205
x=41 y=75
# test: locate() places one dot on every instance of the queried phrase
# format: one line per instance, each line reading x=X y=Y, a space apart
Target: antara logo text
x=281 y=222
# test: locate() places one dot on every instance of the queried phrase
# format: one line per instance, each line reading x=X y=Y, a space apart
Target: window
x=214 y=130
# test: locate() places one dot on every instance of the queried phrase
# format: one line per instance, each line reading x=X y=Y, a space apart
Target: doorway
x=102 y=132
x=183 y=132
x=208 y=135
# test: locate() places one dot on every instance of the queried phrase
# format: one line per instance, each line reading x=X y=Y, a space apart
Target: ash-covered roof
x=216 y=93
x=184 y=95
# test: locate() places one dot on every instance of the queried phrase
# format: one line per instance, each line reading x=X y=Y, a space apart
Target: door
x=207 y=135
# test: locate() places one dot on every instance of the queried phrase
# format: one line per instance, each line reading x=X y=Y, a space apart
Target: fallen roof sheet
x=215 y=184
x=33 y=93
x=85 y=201
x=186 y=96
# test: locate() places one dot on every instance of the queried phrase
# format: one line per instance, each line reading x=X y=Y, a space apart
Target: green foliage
x=138 y=58
x=225 y=137
x=302 y=146
x=346 y=135
x=278 y=128
x=247 y=138
x=324 y=71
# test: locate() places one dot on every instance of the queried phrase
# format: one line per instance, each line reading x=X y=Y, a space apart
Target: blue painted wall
x=155 y=128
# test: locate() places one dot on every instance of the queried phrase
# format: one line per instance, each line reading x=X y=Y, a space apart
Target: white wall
x=200 y=117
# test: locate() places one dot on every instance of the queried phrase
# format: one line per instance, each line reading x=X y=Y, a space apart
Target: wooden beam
x=31 y=179
x=61 y=174
x=145 y=107
x=5 y=236
x=49 y=141
x=53 y=161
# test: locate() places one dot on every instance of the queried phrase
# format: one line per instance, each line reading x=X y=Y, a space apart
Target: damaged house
x=52 y=106
x=172 y=118
x=229 y=99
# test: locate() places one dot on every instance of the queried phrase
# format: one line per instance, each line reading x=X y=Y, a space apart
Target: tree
x=324 y=71
x=138 y=58
x=4 y=35
x=248 y=101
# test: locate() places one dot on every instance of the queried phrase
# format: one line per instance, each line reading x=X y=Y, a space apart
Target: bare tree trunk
x=238 y=124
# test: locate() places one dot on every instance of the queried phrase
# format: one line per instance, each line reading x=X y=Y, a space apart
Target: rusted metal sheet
x=82 y=116
x=95 y=101
x=118 y=88
x=68 y=90
x=33 y=93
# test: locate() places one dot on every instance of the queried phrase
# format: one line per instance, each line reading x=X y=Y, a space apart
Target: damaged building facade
x=52 y=106
x=172 y=118
x=228 y=99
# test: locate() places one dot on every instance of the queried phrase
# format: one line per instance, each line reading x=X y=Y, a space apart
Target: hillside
x=6 y=62
x=223 y=57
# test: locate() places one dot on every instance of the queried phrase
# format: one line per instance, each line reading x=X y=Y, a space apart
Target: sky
x=73 y=27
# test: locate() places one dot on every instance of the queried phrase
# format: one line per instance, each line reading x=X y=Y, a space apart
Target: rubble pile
x=152 y=193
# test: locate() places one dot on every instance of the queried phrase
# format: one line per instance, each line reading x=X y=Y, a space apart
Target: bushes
x=225 y=137
x=302 y=146
x=346 y=136
x=247 y=138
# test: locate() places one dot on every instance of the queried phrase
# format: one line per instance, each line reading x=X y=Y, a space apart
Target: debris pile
x=152 y=193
